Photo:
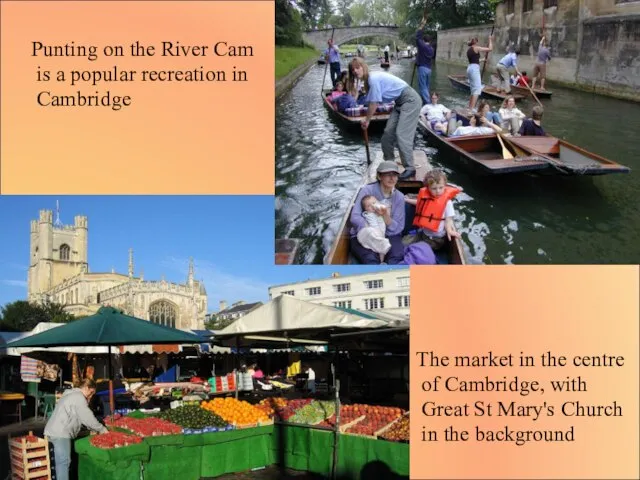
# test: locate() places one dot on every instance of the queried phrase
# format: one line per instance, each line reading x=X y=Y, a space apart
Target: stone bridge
x=318 y=38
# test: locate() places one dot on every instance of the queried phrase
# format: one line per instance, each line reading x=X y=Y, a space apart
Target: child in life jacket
x=434 y=210
x=373 y=235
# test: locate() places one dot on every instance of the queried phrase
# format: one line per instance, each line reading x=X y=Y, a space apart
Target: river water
x=525 y=219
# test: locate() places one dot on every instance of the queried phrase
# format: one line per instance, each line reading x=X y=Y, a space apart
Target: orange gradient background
x=569 y=310
x=175 y=137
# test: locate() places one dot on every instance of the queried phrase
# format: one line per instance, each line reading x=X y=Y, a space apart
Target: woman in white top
x=478 y=125
x=511 y=115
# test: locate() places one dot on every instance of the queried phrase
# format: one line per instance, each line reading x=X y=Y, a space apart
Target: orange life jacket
x=430 y=209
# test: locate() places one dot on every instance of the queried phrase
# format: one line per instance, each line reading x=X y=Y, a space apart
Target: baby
x=373 y=235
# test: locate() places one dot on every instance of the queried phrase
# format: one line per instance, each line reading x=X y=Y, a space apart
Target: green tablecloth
x=213 y=454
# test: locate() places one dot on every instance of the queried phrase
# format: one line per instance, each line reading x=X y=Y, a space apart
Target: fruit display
x=148 y=427
x=314 y=412
x=280 y=408
x=190 y=416
x=375 y=418
x=347 y=415
x=236 y=412
x=398 y=432
x=114 y=440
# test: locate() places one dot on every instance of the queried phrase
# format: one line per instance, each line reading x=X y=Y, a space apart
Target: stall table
x=217 y=453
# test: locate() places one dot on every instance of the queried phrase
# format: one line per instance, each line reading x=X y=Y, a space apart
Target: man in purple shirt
x=394 y=216
x=332 y=57
x=423 y=62
x=540 y=68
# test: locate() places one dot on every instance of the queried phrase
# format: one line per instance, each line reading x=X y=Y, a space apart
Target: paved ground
x=272 y=473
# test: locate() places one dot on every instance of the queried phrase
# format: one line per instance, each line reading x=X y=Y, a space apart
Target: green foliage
x=218 y=324
x=22 y=316
x=288 y=58
x=289 y=25
x=445 y=14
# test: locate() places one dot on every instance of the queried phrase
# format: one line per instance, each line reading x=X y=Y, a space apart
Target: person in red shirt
x=522 y=79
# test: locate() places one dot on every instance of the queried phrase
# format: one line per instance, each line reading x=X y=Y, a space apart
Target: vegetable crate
x=30 y=458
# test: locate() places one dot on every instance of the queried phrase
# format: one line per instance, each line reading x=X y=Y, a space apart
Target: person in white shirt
x=511 y=116
x=477 y=126
x=311 y=379
x=436 y=115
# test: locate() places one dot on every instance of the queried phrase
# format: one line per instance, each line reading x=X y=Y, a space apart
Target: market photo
x=141 y=346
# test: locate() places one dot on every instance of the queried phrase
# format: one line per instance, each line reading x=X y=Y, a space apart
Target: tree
x=216 y=323
x=289 y=25
x=22 y=316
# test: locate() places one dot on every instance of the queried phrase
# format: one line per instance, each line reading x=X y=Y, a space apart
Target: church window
x=64 y=251
x=163 y=313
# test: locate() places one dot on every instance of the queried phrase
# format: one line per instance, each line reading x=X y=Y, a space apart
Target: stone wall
x=595 y=44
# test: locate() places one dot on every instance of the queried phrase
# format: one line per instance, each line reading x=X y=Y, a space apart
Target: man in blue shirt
x=382 y=87
x=423 y=62
x=502 y=69
x=332 y=56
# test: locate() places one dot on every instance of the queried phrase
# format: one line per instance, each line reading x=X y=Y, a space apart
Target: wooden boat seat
x=544 y=145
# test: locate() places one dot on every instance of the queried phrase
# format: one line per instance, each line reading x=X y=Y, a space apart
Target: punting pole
x=111 y=399
x=486 y=56
x=336 y=428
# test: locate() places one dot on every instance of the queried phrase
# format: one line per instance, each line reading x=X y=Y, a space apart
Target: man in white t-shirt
x=311 y=379
x=435 y=114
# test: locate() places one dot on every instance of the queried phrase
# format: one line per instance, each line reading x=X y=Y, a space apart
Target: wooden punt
x=525 y=91
x=561 y=156
x=459 y=82
x=483 y=153
x=566 y=157
x=378 y=121
x=286 y=251
x=339 y=254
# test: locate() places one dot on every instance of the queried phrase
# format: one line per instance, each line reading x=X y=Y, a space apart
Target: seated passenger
x=339 y=90
x=436 y=115
x=343 y=102
x=484 y=109
x=523 y=80
x=478 y=125
x=511 y=116
x=434 y=210
x=533 y=126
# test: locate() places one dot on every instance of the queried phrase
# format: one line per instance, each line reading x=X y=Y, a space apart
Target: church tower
x=57 y=252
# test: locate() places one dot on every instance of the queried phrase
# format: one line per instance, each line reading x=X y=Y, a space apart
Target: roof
x=240 y=308
x=388 y=269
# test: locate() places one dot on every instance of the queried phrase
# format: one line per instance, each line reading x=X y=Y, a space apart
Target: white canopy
x=6 y=337
x=288 y=313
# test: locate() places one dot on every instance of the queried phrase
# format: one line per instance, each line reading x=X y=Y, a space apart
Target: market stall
x=301 y=438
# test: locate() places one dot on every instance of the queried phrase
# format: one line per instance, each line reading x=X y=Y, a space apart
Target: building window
x=373 y=284
x=289 y=292
x=527 y=5
x=373 y=303
x=342 y=304
x=510 y=5
x=342 y=287
x=77 y=298
x=163 y=313
x=403 y=281
x=554 y=3
x=64 y=251
x=403 y=301
x=313 y=291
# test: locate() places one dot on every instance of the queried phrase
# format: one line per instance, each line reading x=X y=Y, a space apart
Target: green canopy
x=108 y=327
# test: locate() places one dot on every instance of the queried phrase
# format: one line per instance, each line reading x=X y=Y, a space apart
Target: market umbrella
x=108 y=327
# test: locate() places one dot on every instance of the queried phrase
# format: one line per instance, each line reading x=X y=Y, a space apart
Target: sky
x=231 y=240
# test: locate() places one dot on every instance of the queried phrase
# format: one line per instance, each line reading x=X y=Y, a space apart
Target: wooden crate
x=30 y=458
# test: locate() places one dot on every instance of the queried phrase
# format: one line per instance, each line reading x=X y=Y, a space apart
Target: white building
x=386 y=290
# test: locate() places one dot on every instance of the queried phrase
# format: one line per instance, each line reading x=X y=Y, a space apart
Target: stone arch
x=318 y=38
